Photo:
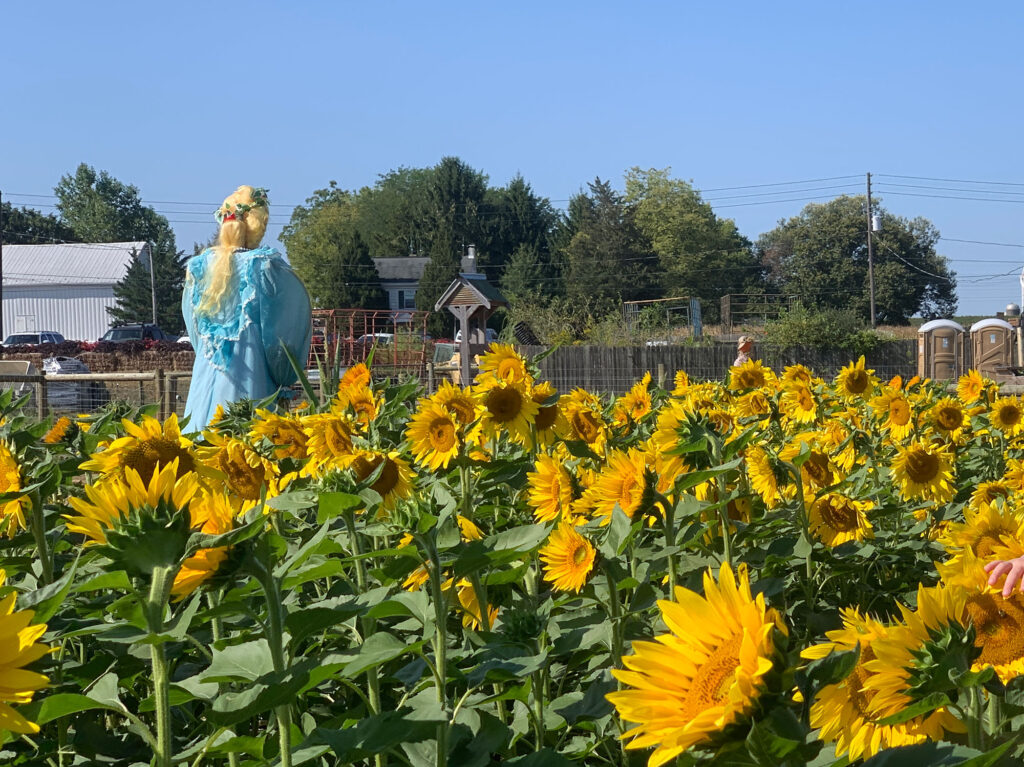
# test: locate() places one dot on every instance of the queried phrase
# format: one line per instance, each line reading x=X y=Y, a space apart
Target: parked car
x=375 y=339
x=42 y=337
x=145 y=331
x=490 y=334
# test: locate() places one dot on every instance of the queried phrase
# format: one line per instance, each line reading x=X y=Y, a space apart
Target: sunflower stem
x=440 y=646
x=615 y=614
x=275 y=634
x=975 y=728
x=723 y=505
x=213 y=599
x=670 y=542
x=39 y=533
x=161 y=580
x=995 y=717
x=368 y=624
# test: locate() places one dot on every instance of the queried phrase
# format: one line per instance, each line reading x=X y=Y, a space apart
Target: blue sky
x=188 y=100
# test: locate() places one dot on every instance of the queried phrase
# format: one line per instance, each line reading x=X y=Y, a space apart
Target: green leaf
x=333 y=505
x=930 y=754
x=263 y=695
x=617 y=537
x=377 y=649
x=543 y=758
x=591 y=704
x=48 y=599
x=248 y=661
x=293 y=501
x=63 y=703
x=115 y=581
x=376 y=734
x=183 y=620
x=304 y=552
x=924 y=706
x=251 y=528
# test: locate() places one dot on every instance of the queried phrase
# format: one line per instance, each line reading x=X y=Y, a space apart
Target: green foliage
x=820 y=257
x=825 y=329
x=699 y=254
x=99 y=208
x=25 y=226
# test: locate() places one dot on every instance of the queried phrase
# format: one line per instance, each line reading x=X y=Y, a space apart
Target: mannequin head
x=243 y=218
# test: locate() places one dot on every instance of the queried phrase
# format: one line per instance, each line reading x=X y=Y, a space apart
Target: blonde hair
x=243 y=230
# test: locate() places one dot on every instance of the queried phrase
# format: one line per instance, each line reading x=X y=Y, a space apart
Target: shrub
x=826 y=329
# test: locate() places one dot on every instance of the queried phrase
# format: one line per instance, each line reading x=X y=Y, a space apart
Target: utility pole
x=871 y=258
x=152 y=280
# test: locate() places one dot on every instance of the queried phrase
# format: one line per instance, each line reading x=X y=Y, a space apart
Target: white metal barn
x=65 y=287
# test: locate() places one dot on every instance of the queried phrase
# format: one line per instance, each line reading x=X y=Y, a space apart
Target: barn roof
x=72 y=263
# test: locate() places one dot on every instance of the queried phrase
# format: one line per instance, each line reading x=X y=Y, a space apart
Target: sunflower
x=12 y=513
x=755 y=404
x=146 y=446
x=817 y=471
x=550 y=489
x=705 y=674
x=212 y=513
x=468 y=531
x=767 y=477
x=1007 y=415
x=843 y=712
x=508 y=406
x=923 y=471
x=460 y=402
x=635 y=405
x=284 y=432
x=470 y=606
x=395 y=480
x=836 y=519
x=583 y=413
x=58 y=431
x=245 y=474
x=894 y=411
x=357 y=375
x=19 y=647
x=855 y=380
x=892 y=669
x=798 y=374
x=360 y=401
x=750 y=375
x=550 y=424
x=622 y=482
x=947 y=417
x=970 y=387
x=568 y=558
x=990 y=531
x=682 y=383
x=798 y=402
x=433 y=434
x=998 y=491
x=416 y=579
x=108 y=503
x=328 y=442
x=835 y=439
x=503 y=363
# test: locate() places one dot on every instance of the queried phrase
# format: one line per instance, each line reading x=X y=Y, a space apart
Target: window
x=407 y=299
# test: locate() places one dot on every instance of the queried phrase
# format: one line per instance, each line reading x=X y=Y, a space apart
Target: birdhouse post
x=472 y=299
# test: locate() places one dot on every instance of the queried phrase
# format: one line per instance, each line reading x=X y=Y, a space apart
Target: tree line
x=655 y=237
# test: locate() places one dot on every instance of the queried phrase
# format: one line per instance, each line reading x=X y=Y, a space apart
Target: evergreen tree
x=99 y=208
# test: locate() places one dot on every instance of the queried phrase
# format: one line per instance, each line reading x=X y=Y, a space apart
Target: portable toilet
x=992 y=345
x=940 y=352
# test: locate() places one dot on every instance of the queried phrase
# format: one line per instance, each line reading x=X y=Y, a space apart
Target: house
x=65 y=287
x=399 y=278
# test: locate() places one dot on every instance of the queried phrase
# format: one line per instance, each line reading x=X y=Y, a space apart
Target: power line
x=947 y=197
x=952 y=180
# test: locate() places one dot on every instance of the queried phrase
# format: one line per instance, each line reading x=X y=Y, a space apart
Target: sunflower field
x=769 y=570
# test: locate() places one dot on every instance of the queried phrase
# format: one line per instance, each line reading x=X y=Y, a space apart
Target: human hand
x=1013 y=569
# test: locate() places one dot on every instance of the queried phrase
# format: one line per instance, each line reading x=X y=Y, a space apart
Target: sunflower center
x=857 y=381
x=899 y=412
x=462 y=410
x=504 y=404
x=1009 y=415
x=999 y=627
x=337 y=439
x=585 y=424
x=750 y=379
x=442 y=435
x=922 y=466
x=546 y=417
x=816 y=468
x=860 y=697
x=838 y=515
x=716 y=675
x=388 y=479
x=144 y=457
x=246 y=481
x=579 y=554
x=804 y=398
x=364 y=410
x=986 y=543
x=950 y=418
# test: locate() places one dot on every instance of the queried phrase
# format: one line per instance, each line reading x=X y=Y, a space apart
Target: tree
x=25 y=226
x=99 y=208
x=699 y=254
x=607 y=258
x=820 y=258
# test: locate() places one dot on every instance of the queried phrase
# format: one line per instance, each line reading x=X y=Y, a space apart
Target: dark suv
x=137 y=332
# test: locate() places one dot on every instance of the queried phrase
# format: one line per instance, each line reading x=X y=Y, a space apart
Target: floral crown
x=236 y=211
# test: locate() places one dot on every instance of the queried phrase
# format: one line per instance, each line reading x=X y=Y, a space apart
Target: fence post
x=42 y=402
x=661 y=375
x=430 y=377
x=160 y=383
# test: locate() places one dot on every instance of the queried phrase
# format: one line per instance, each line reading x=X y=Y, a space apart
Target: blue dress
x=239 y=350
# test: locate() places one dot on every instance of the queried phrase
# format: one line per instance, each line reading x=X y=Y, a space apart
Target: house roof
x=401 y=268
x=72 y=263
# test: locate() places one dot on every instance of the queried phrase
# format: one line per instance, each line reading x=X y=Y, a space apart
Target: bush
x=825 y=329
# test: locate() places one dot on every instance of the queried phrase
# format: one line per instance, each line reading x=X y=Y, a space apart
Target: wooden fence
x=615 y=369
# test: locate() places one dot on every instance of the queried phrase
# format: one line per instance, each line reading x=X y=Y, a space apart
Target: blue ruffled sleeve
x=285 y=313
